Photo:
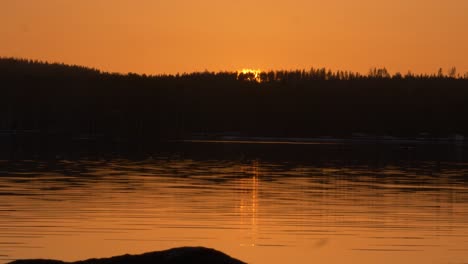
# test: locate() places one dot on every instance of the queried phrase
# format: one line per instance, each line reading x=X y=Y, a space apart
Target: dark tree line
x=55 y=102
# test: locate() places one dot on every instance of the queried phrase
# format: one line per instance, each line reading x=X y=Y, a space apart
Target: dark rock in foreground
x=183 y=255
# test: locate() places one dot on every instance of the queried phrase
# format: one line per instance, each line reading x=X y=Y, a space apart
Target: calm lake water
x=261 y=203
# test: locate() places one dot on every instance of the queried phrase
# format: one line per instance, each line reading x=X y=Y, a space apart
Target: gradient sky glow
x=170 y=36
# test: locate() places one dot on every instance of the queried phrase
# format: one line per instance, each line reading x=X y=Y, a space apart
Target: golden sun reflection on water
x=248 y=208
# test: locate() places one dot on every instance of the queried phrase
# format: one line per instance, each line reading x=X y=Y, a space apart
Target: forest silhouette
x=57 y=103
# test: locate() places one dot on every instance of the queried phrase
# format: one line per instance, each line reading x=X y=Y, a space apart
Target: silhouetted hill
x=59 y=104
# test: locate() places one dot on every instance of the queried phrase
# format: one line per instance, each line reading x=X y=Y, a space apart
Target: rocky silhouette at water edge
x=183 y=255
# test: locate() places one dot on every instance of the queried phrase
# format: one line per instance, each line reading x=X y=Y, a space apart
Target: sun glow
x=249 y=75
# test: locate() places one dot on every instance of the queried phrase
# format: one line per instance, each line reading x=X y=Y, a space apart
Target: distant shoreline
x=57 y=104
x=454 y=139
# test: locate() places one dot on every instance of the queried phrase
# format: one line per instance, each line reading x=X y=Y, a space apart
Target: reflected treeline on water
x=46 y=106
x=427 y=159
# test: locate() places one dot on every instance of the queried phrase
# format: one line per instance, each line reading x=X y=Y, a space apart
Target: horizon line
x=462 y=75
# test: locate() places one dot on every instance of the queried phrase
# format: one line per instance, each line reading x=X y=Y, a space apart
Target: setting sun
x=249 y=75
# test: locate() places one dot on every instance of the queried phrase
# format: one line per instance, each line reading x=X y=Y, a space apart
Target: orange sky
x=169 y=36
